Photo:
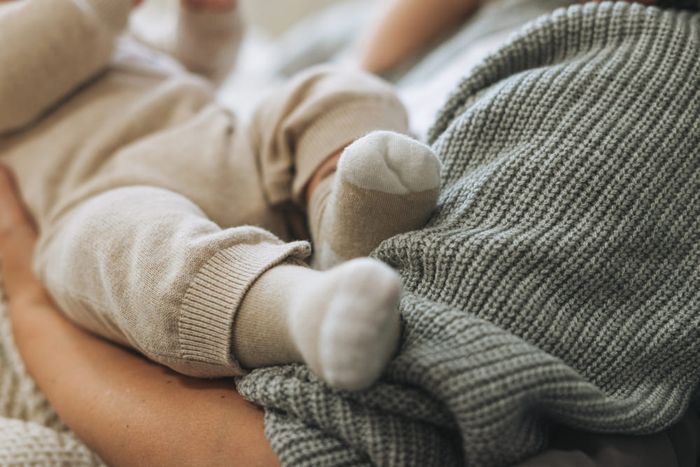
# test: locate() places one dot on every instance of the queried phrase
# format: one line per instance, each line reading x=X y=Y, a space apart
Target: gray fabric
x=494 y=17
x=558 y=281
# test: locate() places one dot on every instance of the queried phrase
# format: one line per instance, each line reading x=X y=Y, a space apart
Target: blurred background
x=275 y=16
x=272 y=17
x=282 y=37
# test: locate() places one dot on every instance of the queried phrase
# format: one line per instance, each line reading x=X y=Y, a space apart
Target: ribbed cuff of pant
x=214 y=296
x=340 y=127
x=113 y=13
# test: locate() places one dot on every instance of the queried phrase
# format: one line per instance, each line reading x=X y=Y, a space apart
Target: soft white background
x=270 y=16
x=266 y=21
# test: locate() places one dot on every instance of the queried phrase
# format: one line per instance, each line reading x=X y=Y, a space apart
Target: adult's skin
x=131 y=411
x=128 y=410
x=409 y=26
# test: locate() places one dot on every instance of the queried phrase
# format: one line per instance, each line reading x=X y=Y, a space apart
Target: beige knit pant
x=157 y=247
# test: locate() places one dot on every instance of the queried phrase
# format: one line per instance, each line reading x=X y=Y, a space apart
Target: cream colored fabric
x=343 y=323
x=207 y=42
x=386 y=184
x=157 y=211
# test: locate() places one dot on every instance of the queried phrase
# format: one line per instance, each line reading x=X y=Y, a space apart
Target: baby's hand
x=220 y=5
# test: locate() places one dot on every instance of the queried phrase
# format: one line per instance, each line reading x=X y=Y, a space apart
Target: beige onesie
x=157 y=210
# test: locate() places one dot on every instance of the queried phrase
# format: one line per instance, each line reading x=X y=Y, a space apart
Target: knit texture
x=558 y=281
x=30 y=431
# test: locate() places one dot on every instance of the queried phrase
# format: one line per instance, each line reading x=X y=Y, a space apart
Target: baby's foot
x=386 y=184
x=346 y=324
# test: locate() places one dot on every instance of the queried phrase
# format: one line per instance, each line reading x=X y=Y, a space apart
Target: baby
x=169 y=227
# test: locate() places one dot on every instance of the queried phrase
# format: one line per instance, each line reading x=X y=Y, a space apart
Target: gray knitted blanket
x=559 y=280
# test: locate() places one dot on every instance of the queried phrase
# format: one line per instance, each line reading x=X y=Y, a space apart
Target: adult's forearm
x=409 y=26
x=130 y=411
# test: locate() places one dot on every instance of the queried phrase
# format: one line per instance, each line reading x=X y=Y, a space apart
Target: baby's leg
x=145 y=267
x=344 y=323
x=385 y=183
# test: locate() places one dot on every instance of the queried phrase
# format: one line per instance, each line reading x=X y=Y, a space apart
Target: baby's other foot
x=347 y=326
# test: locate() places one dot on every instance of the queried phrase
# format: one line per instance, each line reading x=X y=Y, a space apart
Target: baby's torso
x=144 y=121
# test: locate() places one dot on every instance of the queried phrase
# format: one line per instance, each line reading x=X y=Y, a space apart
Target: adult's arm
x=48 y=48
x=408 y=26
x=130 y=411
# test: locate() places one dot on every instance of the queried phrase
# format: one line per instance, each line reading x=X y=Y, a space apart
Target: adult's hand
x=130 y=411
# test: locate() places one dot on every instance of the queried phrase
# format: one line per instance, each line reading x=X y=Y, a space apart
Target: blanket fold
x=558 y=281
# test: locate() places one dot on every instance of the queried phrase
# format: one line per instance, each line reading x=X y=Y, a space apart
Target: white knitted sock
x=343 y=323
x=386 y=184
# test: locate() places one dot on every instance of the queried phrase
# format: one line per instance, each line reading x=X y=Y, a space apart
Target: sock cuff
x=261 y=335
x=340 y=127
x=214 y=296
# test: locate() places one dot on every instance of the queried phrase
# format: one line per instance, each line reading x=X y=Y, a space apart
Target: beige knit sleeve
x=48 y=48
x=207 y=42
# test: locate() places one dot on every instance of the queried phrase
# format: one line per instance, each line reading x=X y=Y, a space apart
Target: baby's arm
x=208 y=36
x=409 y=26
x=48 y=48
